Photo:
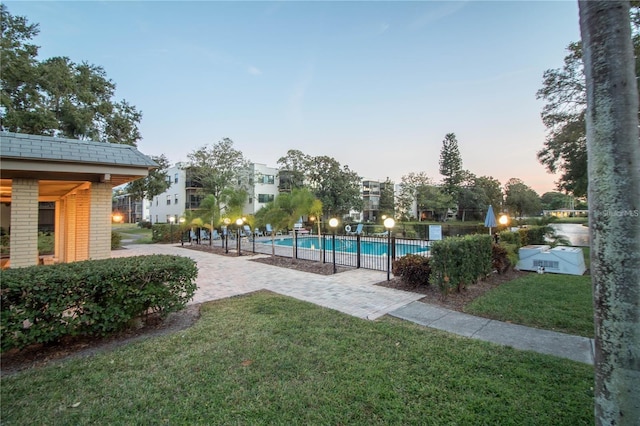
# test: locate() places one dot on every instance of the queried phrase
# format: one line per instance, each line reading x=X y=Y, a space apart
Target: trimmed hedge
x=412 y=269
x=458 y=261
x=526 y=236
x=42 y=304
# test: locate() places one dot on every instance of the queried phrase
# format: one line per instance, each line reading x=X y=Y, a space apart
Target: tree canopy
x=218 y=167
x=521 y=199
x=336 y=186
x=563 y=90
x=155 y=183
x=56 y=96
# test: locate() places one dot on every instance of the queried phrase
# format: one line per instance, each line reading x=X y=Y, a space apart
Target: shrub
x=42 y=304
x=145 y=224
x=459 y=261
x=116 y=240
x=413 y=269
x=46 y=242
x=500 y=259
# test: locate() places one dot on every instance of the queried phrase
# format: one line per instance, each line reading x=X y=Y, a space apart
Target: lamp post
x=171 y=220
x=389 y=223
x=239 y=222
x=227 y=221
x=181 y=220
x=333 y=223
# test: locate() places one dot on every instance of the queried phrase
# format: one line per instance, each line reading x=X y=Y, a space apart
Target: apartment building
x=185 y=194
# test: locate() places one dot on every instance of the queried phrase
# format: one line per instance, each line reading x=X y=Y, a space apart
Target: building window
x=156 y=201
x=265 y=198
x=168 y=200
x=175 y=199
x=268 y=179
x=175 y=178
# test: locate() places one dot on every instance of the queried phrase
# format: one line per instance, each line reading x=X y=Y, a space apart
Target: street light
x=239 y=222
x=504 y=219
x=333 y=223
x=389 y=223
x=182 y=220
x=226 y=221
x=171 y=220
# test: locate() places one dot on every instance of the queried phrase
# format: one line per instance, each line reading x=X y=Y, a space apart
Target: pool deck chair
x=358 y=230
x=269 y=230
x=215 y=235
x=246 y=231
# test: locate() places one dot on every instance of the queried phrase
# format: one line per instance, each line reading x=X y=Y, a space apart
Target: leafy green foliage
x=500 y=259
x=161 y=232
x=459 y=261
x=531 y=235
x=412 y=269
x=46 y=242
x=521 y=199
x=57 y=96
x=154 y=184
x=450 y=165
x=41 y=304
x=116 y=240
x=336 y=186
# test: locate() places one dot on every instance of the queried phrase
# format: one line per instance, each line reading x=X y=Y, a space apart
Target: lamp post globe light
x=239 y=222
x=333 y=223
x=389 y=223
x=172 y=219
x=504 y=219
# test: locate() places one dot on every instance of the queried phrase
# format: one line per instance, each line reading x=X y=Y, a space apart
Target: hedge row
x=41 y=304
x=525 y=236
x=458 y=261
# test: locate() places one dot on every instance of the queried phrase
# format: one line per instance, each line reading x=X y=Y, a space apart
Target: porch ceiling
x=48 y=190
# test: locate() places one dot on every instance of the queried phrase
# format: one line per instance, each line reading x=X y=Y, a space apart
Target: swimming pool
x=376 y=248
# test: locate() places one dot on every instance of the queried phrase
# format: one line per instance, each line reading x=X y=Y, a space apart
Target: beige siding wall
x=100 y=221
x=24 y=223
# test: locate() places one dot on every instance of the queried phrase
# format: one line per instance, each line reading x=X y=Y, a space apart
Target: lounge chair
x=258 y=233
x=246 y=231
x=269 y=230
x=204 y=235
x=215 y=235
x=358 y=230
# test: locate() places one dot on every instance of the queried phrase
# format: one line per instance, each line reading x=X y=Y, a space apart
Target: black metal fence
x=369 y=252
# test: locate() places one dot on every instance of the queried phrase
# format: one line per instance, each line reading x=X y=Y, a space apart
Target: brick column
x=100 y=221
x=24 y=223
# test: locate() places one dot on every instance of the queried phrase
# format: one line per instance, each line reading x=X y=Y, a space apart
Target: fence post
x=358 y=251
x=393 y=248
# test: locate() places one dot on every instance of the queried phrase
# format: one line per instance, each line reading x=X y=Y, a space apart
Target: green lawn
x=132 y=231
x=269 y=359
x=554 y=302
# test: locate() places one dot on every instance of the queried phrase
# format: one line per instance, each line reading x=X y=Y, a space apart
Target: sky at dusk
x=375 y=85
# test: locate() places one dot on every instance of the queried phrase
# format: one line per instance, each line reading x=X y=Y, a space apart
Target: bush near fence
x=42 y=304
x=459 y=261
x=412 y=269
x=161 y=233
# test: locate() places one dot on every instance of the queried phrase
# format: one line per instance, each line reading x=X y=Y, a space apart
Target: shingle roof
x=47 y=148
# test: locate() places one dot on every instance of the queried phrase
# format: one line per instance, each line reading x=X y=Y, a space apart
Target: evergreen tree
x=450 y=165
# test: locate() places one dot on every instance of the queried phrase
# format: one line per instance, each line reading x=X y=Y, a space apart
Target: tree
x=491 y=191
x=155 y=183
x=217 y=168
x=58 y=97
x=563 y=90
x=386 y=205
x=555 y=200
x=410 y=198
x=614 y=198
x=521 y=199
x=336 y=186
x=450 y=165
x=293 y=169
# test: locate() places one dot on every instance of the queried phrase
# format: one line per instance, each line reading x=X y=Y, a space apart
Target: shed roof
x=52 y=149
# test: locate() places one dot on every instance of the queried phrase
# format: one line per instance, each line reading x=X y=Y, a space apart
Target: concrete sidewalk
x=354 y=292
x=576 y=348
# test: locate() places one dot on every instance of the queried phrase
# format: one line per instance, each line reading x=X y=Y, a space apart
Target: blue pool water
x=377 y=248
